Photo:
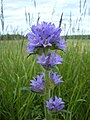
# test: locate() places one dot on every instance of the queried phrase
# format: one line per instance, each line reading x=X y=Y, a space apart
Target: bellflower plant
x=43 y=39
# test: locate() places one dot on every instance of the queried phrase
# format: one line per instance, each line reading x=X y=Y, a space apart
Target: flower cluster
x=38 y=83
x=45 y=35
x=50 y=60
x=44 y=38
x=55 y=104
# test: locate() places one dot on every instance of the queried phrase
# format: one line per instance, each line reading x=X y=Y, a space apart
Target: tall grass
x=16 y=71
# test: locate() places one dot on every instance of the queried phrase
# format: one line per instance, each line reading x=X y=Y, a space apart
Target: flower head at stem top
x=38 y=84
x=55 y=104
x=45 y=35
x=50 y=60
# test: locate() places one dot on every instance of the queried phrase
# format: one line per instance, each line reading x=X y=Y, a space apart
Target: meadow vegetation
x=16 y=71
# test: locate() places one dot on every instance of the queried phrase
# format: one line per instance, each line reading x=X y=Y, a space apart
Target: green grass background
x=16 y=71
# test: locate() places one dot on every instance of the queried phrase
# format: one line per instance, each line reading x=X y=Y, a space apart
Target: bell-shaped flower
x=38 y=84
x=55 y=78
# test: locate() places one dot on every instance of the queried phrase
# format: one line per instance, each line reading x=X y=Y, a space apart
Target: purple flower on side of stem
x=55 y=105
x=61 y=44
x=55 y=59
x=38 y=84
x=55 y=78
x=50 y=60
x=42 y=60
x=30 y=48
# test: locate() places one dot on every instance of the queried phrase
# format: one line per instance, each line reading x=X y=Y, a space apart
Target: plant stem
x=47 y=95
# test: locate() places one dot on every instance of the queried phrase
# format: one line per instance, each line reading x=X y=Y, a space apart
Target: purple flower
x=50 y=60
x=55 y=78
x=33 y=43
x=55 y=104
x=55 y=59
x=61 y=44
x=30 y=48
x=38 y=84
x=42 y=60
x=44 y=35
